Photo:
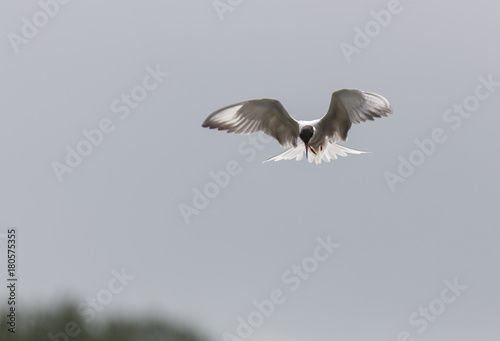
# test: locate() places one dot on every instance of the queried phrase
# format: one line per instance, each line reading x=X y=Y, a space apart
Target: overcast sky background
x=120 y=207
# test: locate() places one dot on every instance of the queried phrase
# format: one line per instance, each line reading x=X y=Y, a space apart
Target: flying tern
x=320 y=136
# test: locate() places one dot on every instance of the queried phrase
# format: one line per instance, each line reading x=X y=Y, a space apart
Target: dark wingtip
x=206 y=124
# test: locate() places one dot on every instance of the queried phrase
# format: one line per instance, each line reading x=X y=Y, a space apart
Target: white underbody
x=326 y=152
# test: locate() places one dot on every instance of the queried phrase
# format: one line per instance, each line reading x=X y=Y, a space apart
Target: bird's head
x=305 y=135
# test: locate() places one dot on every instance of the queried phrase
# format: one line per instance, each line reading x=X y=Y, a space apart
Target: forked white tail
x=330 y=152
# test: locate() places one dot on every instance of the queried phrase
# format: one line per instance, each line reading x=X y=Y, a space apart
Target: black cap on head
x=306 y=133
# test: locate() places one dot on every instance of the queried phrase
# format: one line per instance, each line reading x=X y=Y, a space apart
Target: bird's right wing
x=267 y=115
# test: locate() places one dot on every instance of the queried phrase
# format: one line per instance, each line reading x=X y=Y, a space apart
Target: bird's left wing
x=350 y=106
x=267 y=115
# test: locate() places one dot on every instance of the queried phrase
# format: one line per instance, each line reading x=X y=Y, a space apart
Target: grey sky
x=119 y=208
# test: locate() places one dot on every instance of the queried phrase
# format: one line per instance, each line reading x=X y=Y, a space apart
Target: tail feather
x=292 y=153
x=330 y=152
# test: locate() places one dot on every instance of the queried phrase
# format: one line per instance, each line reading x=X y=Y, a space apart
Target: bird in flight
x=320 y=137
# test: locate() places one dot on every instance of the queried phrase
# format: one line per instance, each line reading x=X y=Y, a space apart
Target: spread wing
x=350 y=106
x=267 y=115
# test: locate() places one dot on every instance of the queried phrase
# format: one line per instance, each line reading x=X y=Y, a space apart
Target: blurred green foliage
x=65 y=324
